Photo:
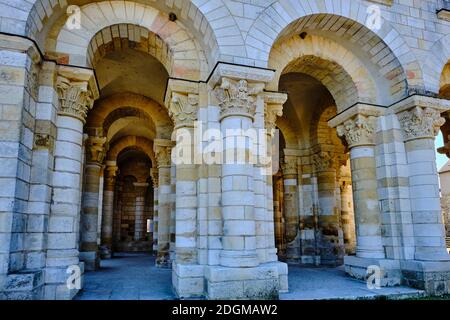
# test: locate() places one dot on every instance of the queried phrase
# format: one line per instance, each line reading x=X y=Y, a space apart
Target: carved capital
x=237 y=97
x=75 y=98
x=183 y=109
x=95 y=150
x=323 y=161
x=155 y=177
x=420 y=122
x=163 y=155
x=271 y=114
x=111 y=175
x=358 y=131
x=273 y=108
x=289 y=165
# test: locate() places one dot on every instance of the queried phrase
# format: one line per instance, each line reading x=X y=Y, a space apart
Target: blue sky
x=441 y=159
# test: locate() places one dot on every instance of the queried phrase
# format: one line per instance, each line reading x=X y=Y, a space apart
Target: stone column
x=290 y=180
x=420 y=124
x=278 y=215
x=187 y=275
x=173 y=209
x=330 y=242
x=111 y=171
x=95 y=153
x=347 y=211
x=139 y=218
x=238 y=203
x=183 y=109
x=162 y=153
x=272 y=110
x=307 y=212
x=155 y=181
x=359 y=132
x=76 y=90
x=241 y=274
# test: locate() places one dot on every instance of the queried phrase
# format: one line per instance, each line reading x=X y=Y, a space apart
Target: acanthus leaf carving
x=289 y=165
x=358 y=131
x=95 y=149
x=420 y=122
x=75 y=98
x=163 y=155
x=183 y=109
x=323 y=161
x=237 y=97
x=271 y=114
x=110 y=175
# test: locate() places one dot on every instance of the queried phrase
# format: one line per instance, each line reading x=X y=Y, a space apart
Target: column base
x=56 y=283
x=263 y=282
x=293 y=251
x=431 y=276
x=188 y=280
x=91 y=260
x=163 y=260
x=357 y=267
x=24 y=285
x=309 y=260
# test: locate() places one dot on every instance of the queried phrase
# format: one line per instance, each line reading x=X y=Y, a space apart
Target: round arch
x=42 y=15
x=435 y=65
x=71 y=44
x=288 y=132
x=122 y=36
x=108 y=109
x=383 y=50
x=140 y=143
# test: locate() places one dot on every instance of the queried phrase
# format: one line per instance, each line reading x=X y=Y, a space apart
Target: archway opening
x=133 y=207
x=313 y=202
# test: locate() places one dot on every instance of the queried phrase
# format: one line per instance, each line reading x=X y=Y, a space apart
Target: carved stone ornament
x=155 y=177
x=95 y=149
x=43 y=141
x=163 y=155
x=237 y=97
x=271 y=114
x=111 y=174
x=323 y=161
x=420 y=122
x=75 y=98
x=358 y=131
x=183 y=109
x=289 y=166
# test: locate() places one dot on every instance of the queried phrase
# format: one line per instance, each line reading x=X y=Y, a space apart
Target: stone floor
x=133 y=276
x=128 y=276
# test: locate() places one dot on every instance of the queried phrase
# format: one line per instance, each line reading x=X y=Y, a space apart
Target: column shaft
x=367 y=210
x=239 y=228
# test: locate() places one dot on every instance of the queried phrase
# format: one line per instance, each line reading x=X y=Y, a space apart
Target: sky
x=441 y=159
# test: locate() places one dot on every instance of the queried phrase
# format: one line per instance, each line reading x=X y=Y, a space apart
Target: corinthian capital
x=420 y=122
x=95 y=150
x=289 y=166
x=75 y=98
x=358 y=131
x=183 y=109
x=163 y=149
x=237 y=97
x=111 y=174
x=273 y=109
x=323 y=161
